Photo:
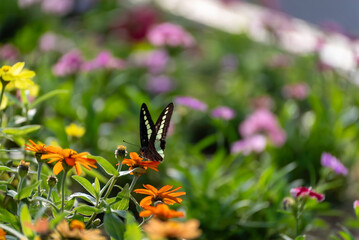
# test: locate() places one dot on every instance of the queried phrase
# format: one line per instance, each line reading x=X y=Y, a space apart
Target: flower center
x=5 y=68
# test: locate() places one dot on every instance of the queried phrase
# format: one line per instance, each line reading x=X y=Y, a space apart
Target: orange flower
x=157 y=229
x=42 y=226
x=160 y=211
x=168 y=197
x=136 y=162
x=37 y=148
x=2 y=234
x=75 y=231
x=67 y=158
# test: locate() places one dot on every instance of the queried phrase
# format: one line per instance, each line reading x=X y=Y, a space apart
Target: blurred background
x=260 y=94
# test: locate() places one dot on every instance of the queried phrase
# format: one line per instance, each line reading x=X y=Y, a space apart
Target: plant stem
x=63 y=190
x=39 y=178
x=22 y=179
x=3 y=83
x=109 y=189
x=50 y=191
x=134 y=180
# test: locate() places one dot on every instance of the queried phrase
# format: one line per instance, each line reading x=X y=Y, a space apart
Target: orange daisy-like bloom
x=136 y=162
x=160 y=211
x=168 y=197
x=41 y=226
x=68 y=158
x=2 y=234
x=157 y=229
x=75 y=231
x=37 y=148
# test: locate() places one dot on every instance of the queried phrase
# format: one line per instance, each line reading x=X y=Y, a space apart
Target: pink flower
x=159 y=84
x=255 y=143
x=261 y=121
x=104 y=60
x=69 y=63
x=57 y=7
x=262 y=102
x=223 y=112
x=168 y=34
x=296 y=91
x=306 y=192
x=329 y=161
x=9 y=52
x=356 y=204
x=192 y=103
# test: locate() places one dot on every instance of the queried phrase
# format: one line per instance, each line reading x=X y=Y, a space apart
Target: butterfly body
x=153 y=135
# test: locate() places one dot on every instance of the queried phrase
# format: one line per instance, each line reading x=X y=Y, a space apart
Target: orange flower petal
x=58 y=168
x=146 y=201
x=78 y=168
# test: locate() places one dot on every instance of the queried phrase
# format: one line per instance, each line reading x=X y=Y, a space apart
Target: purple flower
x=69 y=63
x=169 y=34
x=159 y=84
x=296 y=91
x=157 y=61
x=192 y=103
x=255 y=143
x=329 y=161
x=223 y=112
x=57 y=7
x=261 y=121
x=104 y=60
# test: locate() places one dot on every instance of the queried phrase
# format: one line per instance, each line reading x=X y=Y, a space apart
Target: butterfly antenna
x=131 y=143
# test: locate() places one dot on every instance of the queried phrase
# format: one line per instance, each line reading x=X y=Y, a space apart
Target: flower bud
x=96 y=222
x=287 y=203
x=120 y=152
x=52 y=181
x=23 y=168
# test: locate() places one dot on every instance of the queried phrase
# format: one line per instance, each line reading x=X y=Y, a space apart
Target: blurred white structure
x=296 y=36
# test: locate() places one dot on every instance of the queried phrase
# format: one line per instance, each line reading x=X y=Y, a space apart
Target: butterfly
x=153 y=136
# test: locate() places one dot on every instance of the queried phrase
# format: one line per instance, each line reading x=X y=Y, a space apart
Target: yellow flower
x=75 y=231
x=74 y=130
x=163 y=195
x=17 y=76
x=157 y=229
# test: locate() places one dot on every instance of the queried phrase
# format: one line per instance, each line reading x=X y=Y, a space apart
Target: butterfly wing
x=153 y=135
x=147 y=128
x=161 y=126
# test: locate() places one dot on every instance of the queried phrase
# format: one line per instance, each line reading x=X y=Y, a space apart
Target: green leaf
x=87 y=210
x=41 y=199
x=114 y=226
x=26 y=191
x=132 y=232
x=69 y=204
x=301 y=237
x=124 y=195
x=47 y=96
x=97 y=188
x=83 y=196
x=106 y=165
x=4 y=168
x=20 y=131
x=7 y=217
x=86 y=184
x=25 y=219
x=13 y=231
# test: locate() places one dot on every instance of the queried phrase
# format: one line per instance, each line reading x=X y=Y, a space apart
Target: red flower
x=304 y=192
